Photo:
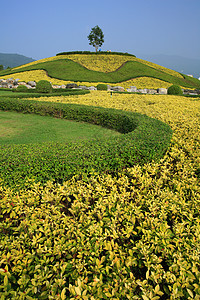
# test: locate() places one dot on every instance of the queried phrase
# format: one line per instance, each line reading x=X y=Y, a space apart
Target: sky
x=43 y=28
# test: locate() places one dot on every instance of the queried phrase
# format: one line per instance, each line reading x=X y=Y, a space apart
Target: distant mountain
x=188 y=66
x=14 y=60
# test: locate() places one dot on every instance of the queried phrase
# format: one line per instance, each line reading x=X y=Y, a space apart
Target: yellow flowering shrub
x=133 y=236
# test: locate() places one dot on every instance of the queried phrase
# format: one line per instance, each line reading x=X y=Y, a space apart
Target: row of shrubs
x=44 y=86
x=143 y=139
x=172 y=90
x=96 y=53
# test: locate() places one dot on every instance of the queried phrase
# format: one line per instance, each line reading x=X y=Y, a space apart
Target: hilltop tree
x=96 y=37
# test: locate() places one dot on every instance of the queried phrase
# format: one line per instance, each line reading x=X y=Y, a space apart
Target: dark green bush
x=96 y=53
x=21 y=88
x=43 y=86
x=102 y=87
x=174 y=90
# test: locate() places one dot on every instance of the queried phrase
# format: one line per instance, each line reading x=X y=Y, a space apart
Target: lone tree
x=96 y=37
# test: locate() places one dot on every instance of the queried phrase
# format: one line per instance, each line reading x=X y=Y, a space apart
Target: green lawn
x=17 y=128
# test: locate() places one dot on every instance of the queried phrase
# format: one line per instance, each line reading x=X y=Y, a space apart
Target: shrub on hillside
x=21 y=88
x=174 y=90
x=43 y=86
x=102 y=87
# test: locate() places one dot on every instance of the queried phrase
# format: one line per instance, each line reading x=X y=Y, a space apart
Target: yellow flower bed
x=100 y=63
x=103 y=63
x=145 y=82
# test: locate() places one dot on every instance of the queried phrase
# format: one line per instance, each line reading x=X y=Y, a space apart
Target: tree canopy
x=96 y=37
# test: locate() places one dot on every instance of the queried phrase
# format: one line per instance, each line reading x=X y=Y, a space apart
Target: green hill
x=69 y=68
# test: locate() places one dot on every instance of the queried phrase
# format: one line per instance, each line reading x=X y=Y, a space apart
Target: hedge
x=142 y=139
x=32 y=93
x=96 y=53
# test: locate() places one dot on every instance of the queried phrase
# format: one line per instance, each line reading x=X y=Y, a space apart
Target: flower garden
x=129 y=234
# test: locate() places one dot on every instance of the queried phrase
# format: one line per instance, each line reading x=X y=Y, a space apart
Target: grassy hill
x=110 y=69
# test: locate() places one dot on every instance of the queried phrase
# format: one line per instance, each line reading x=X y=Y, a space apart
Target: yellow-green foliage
x=104 y=63
x=136 y=236
x=140 y=82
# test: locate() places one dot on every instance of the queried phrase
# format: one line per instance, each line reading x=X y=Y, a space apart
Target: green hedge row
x=57 y=92
x=96 y=53
x=143 y=139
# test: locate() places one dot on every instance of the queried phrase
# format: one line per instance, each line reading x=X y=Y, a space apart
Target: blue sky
x=42 y=28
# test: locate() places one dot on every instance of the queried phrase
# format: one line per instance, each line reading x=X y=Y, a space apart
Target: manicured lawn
x=16 y=128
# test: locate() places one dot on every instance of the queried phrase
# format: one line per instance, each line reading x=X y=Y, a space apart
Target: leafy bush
x=102 y=87
x=143 y=139
x=174 y=90
x=43 y=86
x=99 y=237
x=21 y=88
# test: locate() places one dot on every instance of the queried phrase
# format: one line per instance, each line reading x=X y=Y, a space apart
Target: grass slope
x=66 y=69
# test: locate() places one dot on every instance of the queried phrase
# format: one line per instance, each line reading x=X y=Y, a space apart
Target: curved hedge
x=143 y=139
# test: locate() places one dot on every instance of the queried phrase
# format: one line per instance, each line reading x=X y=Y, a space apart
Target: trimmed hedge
x=96 y=53
x=102 y=87
x=43 y=86
x=143 y=139
x=32 y=93
x=21 y=88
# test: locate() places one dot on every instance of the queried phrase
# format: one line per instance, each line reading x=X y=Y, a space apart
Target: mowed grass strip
x=17 y=128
